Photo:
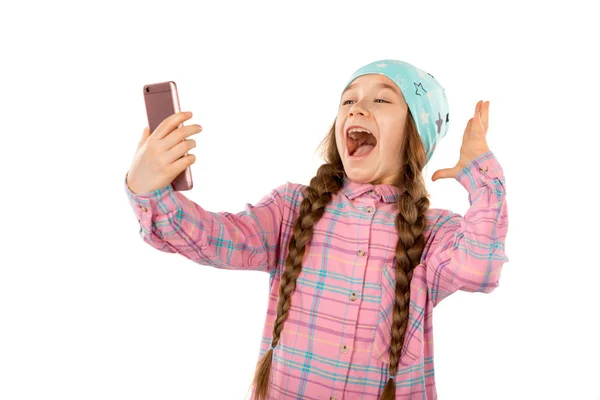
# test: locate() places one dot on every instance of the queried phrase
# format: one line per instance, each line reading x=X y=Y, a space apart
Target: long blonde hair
x=410 y=224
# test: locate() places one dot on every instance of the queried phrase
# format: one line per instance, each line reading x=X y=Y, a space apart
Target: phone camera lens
x=148 y=90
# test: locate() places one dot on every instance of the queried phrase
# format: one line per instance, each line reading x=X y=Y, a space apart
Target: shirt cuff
x=160 y=201
x=482 y=171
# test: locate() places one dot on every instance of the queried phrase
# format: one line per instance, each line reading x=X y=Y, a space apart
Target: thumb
x=144 y=137
x=442 y=173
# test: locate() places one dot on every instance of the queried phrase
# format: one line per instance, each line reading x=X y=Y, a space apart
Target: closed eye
x=345 y=102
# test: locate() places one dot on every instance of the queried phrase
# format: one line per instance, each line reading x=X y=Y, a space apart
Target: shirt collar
x=388 y=193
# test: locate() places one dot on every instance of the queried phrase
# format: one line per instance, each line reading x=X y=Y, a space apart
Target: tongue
x=364 y=149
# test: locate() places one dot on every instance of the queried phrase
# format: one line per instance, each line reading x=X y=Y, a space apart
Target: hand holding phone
x=161 y=156
x=162 y=107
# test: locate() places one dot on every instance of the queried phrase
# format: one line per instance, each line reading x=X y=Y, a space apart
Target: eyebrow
x=379 y=85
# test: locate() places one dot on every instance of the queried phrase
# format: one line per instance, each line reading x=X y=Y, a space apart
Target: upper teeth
x=352 y=132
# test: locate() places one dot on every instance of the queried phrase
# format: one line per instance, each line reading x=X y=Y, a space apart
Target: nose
x=357 y=108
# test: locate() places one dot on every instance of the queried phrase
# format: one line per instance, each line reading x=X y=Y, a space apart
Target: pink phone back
x=162 y=101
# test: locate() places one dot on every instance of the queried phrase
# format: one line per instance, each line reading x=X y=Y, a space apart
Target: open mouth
x=360 y=141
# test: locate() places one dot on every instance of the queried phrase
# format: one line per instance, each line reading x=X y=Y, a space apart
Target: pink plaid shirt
x=335 y=342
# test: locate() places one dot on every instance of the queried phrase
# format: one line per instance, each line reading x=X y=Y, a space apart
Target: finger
x=485 y=114
x=469 y=124
x=169 y=124
x=478 y=107
x=178 y=166
x=144 y=137
x=442 y=173
x=479 y=123
x=179 y=150
x=178 y=135
x=482 y=116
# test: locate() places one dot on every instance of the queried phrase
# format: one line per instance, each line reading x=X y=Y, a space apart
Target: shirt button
x=370 y=209
x=144 y=209
x=483 y=169
x=353 y=296
x=344 y=349
x=361 y=253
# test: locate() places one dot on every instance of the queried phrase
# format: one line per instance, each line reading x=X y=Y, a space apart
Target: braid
x=410 y=224
x=317 y=195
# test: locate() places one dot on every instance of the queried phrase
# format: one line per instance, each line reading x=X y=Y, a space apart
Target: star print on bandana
x=424 y=117
x=399 y=80
x=417 y=86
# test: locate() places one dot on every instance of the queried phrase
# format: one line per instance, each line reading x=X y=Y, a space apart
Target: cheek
x=340 y=144
x=338 y=134
x=390 y=143
x=392 y=135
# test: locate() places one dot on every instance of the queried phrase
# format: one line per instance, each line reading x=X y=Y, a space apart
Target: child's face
x=383 y=111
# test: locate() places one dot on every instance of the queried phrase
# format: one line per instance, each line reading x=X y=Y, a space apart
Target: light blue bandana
x=425 y=98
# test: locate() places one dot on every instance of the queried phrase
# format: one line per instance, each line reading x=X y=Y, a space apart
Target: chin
x=366 y=177
x=360 y=177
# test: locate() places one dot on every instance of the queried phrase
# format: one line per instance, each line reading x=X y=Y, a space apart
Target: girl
x=357 y=260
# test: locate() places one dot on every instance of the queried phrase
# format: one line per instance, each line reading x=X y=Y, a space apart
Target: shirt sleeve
x=468 y=253
x=248 y=240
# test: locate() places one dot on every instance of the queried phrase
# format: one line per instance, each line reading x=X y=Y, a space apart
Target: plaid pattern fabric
x=335 y=342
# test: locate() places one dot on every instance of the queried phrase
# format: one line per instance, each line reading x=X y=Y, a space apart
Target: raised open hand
x=474 y=142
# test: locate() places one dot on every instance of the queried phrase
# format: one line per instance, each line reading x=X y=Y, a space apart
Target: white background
x=89 y=311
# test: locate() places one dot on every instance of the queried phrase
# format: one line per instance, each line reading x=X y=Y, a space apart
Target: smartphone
x=162 y=101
